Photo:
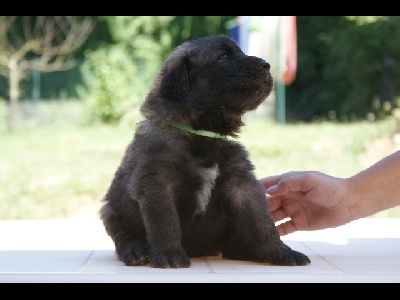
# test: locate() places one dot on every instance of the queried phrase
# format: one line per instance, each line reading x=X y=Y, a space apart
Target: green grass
x=337 y=149
x=57 y=172
x=62 y=171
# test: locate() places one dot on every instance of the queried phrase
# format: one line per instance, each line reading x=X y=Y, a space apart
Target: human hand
x=311 y=200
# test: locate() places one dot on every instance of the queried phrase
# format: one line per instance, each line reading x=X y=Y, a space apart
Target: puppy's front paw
x=134 y=254
x=170 y=259
x=285 y=256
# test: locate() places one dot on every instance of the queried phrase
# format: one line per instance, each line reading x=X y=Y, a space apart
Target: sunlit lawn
x=62 y=171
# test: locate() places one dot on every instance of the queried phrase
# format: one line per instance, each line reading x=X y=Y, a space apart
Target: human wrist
x=359 y=198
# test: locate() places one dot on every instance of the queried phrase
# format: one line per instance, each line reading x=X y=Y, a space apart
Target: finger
x=276 y=209
x=286 y=228
x=270 y=181
x=279 y=215
x=273 y=202
x=287 y=185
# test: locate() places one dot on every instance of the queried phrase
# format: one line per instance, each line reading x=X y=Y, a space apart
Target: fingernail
x=272 y=189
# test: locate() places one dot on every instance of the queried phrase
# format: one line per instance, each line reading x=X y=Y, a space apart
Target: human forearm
x=376 y=188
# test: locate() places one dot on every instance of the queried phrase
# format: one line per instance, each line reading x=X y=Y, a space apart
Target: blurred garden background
x=71 y=88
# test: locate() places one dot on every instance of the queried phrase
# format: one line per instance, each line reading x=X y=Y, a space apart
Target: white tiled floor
x=366 y=250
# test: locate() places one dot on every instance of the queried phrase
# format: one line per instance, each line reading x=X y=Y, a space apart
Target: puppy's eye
x=223 y=56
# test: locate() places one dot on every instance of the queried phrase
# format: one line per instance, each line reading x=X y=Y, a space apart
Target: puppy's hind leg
x=253 y=233
x=281 y=255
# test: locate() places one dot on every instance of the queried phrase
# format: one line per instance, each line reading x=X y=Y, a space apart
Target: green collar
x=198 y=132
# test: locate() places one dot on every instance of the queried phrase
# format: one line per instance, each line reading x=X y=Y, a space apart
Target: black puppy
x=184 y=189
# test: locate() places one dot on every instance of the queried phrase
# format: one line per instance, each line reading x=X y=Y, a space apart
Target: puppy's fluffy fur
x=179 y=194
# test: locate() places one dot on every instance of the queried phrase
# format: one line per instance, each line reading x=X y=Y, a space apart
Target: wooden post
x=396 y=114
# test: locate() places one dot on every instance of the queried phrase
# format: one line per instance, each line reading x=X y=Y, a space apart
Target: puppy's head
x=209 y=84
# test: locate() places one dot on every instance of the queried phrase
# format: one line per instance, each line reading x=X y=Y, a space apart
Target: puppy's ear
x=175 y=80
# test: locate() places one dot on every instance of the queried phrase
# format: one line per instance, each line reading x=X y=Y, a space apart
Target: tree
x=348 y=68
x=117 y=76
x=44 y=43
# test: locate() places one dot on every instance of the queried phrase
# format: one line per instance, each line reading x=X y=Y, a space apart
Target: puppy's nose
x=265 y=65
